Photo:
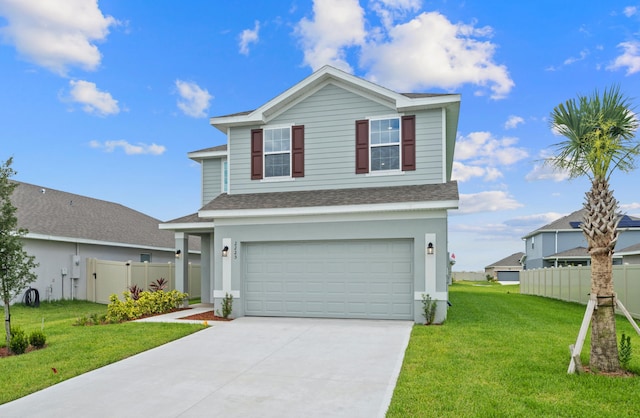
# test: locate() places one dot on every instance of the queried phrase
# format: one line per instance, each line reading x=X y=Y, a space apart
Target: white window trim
x=397 y=171
x=265 y=153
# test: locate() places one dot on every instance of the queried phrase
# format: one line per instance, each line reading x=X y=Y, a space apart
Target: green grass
x=73 y=350
x=502 y=354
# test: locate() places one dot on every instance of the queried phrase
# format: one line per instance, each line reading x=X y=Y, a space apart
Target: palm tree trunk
x=600 y=228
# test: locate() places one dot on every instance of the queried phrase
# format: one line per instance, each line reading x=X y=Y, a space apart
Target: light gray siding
x=313 y=230
x=329 y=117
x=211 y=179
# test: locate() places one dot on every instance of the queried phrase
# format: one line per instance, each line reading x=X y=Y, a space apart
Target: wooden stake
x=628 y=315
x=582 y=335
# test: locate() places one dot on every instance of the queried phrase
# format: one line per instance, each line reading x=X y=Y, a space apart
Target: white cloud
x=491 y=201
x=427 y=51
x=583 y=54
x=462 y=172
x=630 y=11
x=195 y=100
x=544 y=171
x=129 y=149
x=336 y=26
x=483 y=147
x=247 y=37
x=629 y=207
x=530 y=223
x=480 y=154
x=92 y=99
x=630 y=59
x=513 y=122
x=56 y=34
x=390 y=11
x=430 y=51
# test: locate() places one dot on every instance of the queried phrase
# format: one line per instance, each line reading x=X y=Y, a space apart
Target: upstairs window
x=386 y=145
x=384 y=140
x=277 y=152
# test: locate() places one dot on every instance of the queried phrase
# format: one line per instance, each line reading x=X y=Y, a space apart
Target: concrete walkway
x=249 y=367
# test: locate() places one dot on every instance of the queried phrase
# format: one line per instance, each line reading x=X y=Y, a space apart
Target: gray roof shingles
x=335 y=197
x=60 y=214
x=512 y=260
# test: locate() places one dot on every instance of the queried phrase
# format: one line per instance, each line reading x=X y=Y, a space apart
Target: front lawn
x=73 y=350
x=502 y=354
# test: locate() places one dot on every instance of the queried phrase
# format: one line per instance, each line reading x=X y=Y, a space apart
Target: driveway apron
x=249 y=367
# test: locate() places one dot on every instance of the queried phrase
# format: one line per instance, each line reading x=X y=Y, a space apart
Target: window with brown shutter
x=362 y=146
x=409 y=143
x=381 y=143
x=297 y=151
x=256 y=154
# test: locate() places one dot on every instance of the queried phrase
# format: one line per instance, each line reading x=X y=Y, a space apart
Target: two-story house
x=330 y=200
x=562 y=243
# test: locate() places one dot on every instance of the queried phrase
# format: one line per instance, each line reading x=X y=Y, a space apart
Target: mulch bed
x=4 y=351
x=206 y=316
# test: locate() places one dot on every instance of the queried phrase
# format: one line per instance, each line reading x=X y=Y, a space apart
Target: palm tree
x=600 y=139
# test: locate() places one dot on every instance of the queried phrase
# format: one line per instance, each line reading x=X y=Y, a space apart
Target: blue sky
x=105 y=99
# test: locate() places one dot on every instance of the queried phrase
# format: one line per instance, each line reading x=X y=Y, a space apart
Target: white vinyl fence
x=574 y=284
x=105 y=278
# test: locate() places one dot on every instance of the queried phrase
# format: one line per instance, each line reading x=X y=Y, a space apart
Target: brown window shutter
x=408 y=143
x=362 y=146
x=297 y=151
x=256 y=154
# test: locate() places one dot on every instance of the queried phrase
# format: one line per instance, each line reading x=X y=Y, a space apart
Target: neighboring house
x=562 y=243
x=330 y=200
x=65 y=229
x=508 y=269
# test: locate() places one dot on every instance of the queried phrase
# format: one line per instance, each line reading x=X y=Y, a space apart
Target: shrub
x=19 y=341
x=160 y=284
x=428 y=308
x=135 y=291
x=148 y=303
x=37 y=339
x=625 y=350
x=227 y=306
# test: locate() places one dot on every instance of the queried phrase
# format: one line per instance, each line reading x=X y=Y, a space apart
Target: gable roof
x=400 y=102
x=572 y=221
x=57 y=215
x=426 y=196
x=211 y=152
x=512 y=260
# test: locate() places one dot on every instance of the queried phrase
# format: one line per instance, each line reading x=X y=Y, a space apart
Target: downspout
x=556 y=250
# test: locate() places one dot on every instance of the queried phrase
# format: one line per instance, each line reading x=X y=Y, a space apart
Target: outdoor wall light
x=225 y=251
x=178 y=253
x=430 y=248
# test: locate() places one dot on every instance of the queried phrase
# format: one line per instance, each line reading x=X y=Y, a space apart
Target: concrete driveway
x=250 y=367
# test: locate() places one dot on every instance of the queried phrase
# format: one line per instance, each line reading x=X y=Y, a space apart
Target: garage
x=370 y=279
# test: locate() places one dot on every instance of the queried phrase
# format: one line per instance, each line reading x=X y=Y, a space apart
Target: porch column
x=182 y=262
x=206 y=268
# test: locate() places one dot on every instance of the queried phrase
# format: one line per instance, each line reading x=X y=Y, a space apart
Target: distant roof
x=512 y=260
x=54 y=213
x=573 y=220
x=577 y=252
x=335 y=197
x=632 y=249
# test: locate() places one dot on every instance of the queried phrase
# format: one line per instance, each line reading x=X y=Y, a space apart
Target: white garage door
x=330 y=279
